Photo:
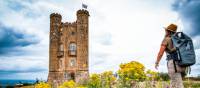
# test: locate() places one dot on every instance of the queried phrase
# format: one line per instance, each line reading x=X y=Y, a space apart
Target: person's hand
x=156 y=65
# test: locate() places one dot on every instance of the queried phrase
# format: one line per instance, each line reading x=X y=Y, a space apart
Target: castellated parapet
x=68 y=49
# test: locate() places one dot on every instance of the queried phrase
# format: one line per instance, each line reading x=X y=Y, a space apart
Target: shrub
x=131 y=72
x=42 y=85
x=94 y=81
x=164 y=76
x=68 y=84
x=152 y=75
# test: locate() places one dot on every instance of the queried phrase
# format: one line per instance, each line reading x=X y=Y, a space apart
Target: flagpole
x=84 y=6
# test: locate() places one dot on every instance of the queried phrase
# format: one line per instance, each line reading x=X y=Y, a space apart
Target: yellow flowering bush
x=132 y=71
x=107 y=79
x=94 y=81
x=42 y=85
x=68 y=84
x=129 y=72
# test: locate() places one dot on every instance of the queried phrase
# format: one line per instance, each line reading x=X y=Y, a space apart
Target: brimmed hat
x=171 y=27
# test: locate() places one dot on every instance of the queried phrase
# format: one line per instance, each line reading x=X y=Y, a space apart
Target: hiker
x=174 y=70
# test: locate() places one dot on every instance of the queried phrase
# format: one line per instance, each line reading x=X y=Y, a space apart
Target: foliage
x=107 y=79
x=191 y=84
x=152 y=75
x=131 y=72
x=130 y=75
x=68 y=84
x=94 y=81
x=163 y=76
x=71 y=84
x=42 y=85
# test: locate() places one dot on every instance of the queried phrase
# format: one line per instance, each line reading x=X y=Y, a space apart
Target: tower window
x=61 y=48
x=61 y=29
x=60 y=64
x=66 y=75
x=73 y=62
x=72 y=33
x=72 y=48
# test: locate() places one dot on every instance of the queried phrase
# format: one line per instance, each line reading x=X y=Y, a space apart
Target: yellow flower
x=42 y=85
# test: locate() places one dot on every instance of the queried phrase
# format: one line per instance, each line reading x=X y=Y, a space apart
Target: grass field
x=192 y=84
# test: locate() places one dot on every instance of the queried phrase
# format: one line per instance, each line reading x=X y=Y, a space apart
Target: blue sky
x=120 y=31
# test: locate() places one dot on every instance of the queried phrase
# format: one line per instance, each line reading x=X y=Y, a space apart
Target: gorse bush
x=68 y=84
x=131 y=72
x=105 y=80
x=94 y=81
x=42 y=85
x=71 y=84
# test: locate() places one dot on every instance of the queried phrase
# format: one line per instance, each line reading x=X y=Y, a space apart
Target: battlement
x=70 y=23
x=55 y=15
x=83 y=11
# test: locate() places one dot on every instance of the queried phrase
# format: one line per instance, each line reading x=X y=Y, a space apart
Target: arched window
x=61 y=48
x=60 y=64
x=72 y=48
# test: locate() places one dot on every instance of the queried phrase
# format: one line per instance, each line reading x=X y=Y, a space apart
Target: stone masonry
x=68 y=49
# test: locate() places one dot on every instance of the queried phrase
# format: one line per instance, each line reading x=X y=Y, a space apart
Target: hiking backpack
x=184 y=49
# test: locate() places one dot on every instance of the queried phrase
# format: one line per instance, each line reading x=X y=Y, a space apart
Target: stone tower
x=68 y=49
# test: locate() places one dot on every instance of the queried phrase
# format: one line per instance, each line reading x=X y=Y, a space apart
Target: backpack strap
x=189 y=69
x=174 y=58
x=177 y=56
x=175 y=66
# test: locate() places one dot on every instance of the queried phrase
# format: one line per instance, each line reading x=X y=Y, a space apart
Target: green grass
x=191 y=84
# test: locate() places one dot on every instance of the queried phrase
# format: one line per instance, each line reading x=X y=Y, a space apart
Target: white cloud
x=136 y=30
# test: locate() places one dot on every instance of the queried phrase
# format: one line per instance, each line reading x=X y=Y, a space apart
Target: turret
x=55 y=22
x=55 y=25
x=82 y=16
x=82 y=40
